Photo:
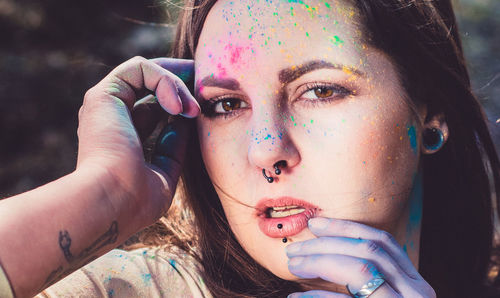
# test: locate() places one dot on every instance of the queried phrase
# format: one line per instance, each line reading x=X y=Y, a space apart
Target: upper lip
x=265 y=203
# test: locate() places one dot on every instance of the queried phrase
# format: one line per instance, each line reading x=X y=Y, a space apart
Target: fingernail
x=180 y=103
x=293 y=248
x=295 y=261
x=318 y=223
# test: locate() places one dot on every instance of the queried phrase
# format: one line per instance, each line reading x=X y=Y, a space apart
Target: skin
x=356 y=157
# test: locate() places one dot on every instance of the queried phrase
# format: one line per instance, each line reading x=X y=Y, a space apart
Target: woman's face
x=295 y=81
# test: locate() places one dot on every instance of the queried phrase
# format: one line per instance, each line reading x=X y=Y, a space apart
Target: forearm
x=53 y=230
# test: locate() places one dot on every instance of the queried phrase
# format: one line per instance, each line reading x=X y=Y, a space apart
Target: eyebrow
x=225 y=83
x=285 y=76
x=290 y=74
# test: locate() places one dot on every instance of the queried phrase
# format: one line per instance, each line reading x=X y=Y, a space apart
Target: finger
x=136 y=74
x=317 y=294
x=341 y=270
x=146 y=114
x=184 y=69
x=321 y=226
x=170 y=149
x=359 y=248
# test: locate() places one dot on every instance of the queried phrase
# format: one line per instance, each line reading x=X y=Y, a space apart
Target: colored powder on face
x=307 y=34
x=327 y=5
x=312 y=121
x=336 y=40
x=412 y=136
x=346 y=70
x=146 y=278
x=371 y=199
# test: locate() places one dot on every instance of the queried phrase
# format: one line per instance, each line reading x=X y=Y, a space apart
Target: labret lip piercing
x=285 y=240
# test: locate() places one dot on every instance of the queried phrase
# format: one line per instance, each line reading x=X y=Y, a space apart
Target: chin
x=272 y=254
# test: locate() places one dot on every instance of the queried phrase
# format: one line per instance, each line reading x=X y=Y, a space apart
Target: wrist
x=117 y=196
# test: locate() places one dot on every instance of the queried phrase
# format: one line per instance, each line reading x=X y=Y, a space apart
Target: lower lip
x=291 y=225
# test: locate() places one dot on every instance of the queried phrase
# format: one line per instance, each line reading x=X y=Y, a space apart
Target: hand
x=349 y=253
x=112 y=123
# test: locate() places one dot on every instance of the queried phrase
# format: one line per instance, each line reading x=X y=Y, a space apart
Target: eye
x=228 y=105
x=320 y=92
x=223 y=106
x=324 y=92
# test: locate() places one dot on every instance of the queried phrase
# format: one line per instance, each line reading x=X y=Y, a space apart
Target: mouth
x=284 y=216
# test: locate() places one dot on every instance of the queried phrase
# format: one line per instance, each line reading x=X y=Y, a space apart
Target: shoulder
x=138 y=273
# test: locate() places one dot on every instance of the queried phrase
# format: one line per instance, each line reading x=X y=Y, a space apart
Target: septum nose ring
x=277 y=170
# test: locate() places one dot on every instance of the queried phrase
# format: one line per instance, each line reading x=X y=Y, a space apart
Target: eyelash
x=208 y=106
x=339 y=92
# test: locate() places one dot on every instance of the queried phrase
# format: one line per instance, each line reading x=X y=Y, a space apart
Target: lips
x=289 y=213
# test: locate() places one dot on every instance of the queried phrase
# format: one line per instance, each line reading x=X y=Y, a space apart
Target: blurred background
x=52 y=51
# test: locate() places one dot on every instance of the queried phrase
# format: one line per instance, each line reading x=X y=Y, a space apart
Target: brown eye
x=230 y=104
x=322 y=92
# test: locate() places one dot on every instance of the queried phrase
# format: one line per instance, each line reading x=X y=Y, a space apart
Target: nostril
x=281 y=163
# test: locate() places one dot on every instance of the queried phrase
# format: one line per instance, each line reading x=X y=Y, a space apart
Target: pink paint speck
x=234 y=52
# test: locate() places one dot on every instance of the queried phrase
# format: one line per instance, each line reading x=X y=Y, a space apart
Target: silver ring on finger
x=368 y=288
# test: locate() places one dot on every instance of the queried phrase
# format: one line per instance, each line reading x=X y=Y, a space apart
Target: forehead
x=242 y=34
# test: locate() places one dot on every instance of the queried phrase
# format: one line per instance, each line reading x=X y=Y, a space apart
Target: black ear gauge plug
x=269 y=179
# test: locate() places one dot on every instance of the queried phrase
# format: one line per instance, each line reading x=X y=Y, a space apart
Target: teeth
x=285 y=213
x=284 y=208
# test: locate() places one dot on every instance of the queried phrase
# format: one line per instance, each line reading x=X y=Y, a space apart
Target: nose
x=271 y=145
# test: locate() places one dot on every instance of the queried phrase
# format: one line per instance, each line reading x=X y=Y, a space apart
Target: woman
x=339 y=152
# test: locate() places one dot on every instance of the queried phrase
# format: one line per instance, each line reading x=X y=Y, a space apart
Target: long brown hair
x=460 y=180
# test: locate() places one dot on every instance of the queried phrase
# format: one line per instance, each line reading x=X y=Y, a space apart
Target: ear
x=435 y=134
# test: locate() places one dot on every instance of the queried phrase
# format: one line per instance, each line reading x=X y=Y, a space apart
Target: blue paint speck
x=412 y=135
x=146 y=278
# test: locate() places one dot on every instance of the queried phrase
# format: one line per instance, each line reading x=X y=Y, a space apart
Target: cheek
x=360 y=155
x=223 y=149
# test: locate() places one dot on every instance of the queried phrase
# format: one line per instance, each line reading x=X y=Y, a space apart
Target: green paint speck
x=312 y=121
x=327 y=5
x=336 y=40
x=307 y=34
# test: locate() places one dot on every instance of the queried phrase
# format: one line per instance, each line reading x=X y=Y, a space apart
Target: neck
x=408 y=235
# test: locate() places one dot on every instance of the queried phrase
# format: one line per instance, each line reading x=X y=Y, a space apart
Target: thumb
x=170 y=150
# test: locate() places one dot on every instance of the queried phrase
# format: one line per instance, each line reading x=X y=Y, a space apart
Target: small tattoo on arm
x=85 y=256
